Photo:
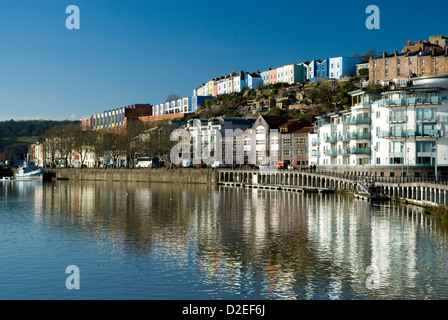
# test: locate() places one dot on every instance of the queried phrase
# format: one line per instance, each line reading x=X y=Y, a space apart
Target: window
x=387 y=63
x=437 y=62
x=425 y=146
x=387 y=73
x=378 y=114
x=398 y=72
x=286 y=152
x=426 y=114
x=423 y=62
x=436 y=71
x=423 y=72
x=287 y=141
x=398 y=62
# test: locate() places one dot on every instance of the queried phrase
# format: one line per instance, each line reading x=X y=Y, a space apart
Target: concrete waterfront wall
x=184 y=175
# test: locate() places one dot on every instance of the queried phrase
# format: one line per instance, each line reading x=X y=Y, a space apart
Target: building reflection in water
x=250 y=243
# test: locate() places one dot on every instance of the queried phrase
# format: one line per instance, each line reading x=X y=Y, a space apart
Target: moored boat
x=28 y=171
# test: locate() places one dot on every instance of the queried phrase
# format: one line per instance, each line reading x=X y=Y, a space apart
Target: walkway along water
x=421 y=191
x=416 y=190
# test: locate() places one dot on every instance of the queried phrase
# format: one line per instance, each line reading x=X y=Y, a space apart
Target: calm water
x=167 y=241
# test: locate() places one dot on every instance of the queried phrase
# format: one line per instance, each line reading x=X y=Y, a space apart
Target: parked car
x=218 y=164
x=186 y=164
x=143 y=162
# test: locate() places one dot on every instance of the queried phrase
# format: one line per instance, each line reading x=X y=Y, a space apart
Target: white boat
x=28 y=171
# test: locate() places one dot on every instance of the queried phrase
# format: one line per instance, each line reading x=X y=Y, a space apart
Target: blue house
x=197 y=101
x=322 y=69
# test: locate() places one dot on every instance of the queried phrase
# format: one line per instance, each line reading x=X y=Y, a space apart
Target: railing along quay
x=420 y=190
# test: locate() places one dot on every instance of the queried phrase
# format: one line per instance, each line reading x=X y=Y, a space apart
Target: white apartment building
x=398 y=128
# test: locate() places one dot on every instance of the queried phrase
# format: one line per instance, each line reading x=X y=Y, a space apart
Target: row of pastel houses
x=232 y=82
x=314 y=71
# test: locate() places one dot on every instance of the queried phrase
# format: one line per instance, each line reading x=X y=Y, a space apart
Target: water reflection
x=220 y=242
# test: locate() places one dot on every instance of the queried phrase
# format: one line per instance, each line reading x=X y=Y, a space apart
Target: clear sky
x=140 y=51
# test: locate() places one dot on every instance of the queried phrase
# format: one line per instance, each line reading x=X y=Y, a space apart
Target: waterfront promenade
x=422 y=191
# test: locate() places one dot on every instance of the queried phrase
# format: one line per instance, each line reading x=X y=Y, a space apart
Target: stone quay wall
x=183 y=175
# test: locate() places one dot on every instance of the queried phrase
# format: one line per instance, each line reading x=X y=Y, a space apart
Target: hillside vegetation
x=303 y=101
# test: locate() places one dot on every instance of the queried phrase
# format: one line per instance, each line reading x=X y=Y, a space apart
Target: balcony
x=359 y=150
x=357 y=121
x=428 y=133
x=412 y=101
x=315 y=141
x=427 y=120
x=396 y=134
x=333 y=152
x=356 y=136
x=333 y=139
x=315 y=153
x=409 y=133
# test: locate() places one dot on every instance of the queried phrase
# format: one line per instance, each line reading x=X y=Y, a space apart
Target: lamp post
x=402 y=160
x=375 y=148
x=407 y=169
x=435 y=159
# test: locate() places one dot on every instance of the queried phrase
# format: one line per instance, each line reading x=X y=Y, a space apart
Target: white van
x=218 y=164
x=143 y=162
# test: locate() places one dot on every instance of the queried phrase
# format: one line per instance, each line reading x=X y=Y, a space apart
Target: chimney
x=384 y=54
x=395 y=53
x=409 y=43
x=432 y=51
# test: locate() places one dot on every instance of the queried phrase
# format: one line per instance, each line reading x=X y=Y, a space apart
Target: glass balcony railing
x=427 y=119
x=315 y=153
x=356 y=135
x=409 y=133
x=356 y=121
x=315 y=141
x=360 y=150
x=332 y=138
x=332 y=152
x=427 y=132
x=410 y=101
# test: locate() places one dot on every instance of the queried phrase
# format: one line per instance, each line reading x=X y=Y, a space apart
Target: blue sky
x=137 y=51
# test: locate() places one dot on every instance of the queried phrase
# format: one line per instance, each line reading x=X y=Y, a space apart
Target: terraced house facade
x=418 y=60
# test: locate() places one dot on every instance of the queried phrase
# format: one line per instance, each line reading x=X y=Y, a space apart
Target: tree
x=85 y=142
x=363 y=72
x=109 y=144
x=172 y=97
x=365 y=58
x=131 y=141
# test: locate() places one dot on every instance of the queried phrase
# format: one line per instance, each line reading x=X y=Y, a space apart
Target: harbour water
x=170 y=241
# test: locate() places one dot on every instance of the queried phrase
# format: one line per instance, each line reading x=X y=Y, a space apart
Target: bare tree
x=172 y=97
